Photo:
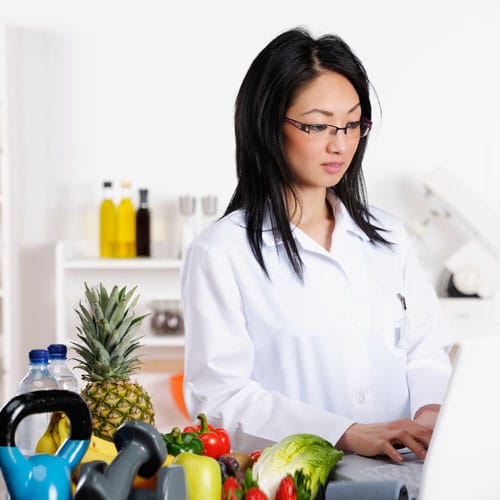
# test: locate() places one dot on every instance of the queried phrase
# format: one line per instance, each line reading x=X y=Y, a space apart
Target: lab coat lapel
x=347 y=249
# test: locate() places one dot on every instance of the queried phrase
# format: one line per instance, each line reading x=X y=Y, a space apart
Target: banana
x=63 y=428
x=100 y=449
x=46 y=444
x=96 y=455
x=58 y=431
x=49 y=442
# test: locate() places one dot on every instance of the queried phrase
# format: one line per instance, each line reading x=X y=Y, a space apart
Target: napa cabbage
x=313 y=454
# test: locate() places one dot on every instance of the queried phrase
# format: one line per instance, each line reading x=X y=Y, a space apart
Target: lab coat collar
x=343 y=223
x=343 y=220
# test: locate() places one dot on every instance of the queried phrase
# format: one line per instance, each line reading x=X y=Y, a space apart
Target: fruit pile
x=107 y=353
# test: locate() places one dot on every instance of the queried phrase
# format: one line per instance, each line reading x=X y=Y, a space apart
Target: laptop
x=463 y=460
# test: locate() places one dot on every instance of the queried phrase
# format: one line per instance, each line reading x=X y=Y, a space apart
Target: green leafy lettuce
x=312 y=454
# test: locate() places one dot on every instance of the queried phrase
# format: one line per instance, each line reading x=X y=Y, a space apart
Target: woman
x=305 y=309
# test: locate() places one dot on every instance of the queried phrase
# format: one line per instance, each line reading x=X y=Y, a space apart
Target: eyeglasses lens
x=352 y=131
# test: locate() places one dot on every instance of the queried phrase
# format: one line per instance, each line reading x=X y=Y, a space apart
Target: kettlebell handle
x=45 y=401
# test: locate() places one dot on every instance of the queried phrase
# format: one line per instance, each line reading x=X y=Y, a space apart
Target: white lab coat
x=266 y=358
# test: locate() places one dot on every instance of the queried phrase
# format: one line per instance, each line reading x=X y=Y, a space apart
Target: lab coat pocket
x=395 y=325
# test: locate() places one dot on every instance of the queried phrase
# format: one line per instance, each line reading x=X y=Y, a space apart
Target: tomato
x=286 y=489
x=255 y=454
x=231 y=489
x=255 y=493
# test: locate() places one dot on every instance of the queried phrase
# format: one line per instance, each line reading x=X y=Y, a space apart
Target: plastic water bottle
x=59 y=369
x=38 y=378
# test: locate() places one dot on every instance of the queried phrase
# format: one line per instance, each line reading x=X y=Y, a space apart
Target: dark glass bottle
x=143 y=226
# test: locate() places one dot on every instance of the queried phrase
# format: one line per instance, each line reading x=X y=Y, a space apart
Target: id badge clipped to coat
x=402 y=331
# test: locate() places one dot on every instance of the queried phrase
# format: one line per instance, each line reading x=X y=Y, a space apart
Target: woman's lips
x=332 y=167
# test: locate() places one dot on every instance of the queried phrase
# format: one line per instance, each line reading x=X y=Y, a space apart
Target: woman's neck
x=313 y=214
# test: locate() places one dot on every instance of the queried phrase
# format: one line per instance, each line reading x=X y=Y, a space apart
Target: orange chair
x=176 y=381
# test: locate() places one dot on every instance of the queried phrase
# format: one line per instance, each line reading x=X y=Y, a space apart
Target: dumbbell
x=366 y=490
x=141 y=450
x=171 y=485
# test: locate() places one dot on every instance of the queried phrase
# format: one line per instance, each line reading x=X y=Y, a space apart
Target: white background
x=144 y=91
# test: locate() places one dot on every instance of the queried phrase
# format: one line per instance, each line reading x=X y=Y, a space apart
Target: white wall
x=145 y=91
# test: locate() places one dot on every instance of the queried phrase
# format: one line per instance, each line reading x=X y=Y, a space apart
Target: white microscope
x=469 y=283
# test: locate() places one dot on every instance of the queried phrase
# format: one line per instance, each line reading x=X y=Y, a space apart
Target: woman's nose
x=337 y=143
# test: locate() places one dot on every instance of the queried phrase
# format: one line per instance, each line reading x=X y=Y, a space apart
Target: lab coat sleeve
x=429 y=366
x=219 y=357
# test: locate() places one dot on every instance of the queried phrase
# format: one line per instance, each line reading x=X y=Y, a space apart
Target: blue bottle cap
x=39 y=356
x=57 y=351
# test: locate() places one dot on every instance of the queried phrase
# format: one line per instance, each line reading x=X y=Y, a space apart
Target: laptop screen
x=463 y=461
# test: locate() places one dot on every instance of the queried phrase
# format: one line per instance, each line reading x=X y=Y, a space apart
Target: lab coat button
x=360 y=398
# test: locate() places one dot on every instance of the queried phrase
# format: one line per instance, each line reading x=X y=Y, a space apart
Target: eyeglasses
x=321 y=131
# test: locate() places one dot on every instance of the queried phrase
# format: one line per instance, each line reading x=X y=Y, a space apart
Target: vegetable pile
x=294 y=468
x=305 y=458
x=178 y=442
x=216 y=441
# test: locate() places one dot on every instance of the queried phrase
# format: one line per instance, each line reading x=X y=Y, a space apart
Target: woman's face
x=320 y=160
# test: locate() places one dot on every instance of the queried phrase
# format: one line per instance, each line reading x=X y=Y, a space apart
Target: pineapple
x=107 y=355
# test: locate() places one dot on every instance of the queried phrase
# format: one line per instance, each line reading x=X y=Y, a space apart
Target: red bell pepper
x=216 y=441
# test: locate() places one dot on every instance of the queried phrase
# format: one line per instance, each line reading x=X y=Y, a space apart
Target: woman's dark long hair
x=274 y=78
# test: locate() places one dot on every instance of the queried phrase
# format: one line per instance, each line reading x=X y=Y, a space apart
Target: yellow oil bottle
x=125 y=225
x=107 y=221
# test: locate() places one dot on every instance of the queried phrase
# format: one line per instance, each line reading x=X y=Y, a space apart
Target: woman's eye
x=317 y=128
x=352 y=125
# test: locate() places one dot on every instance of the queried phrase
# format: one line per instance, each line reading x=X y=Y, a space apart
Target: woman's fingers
x=389 y=450
x=427 y=415
x=412 y=435
x=374 y=439
x=412 y=442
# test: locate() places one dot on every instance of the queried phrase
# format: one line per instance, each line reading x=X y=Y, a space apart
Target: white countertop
x=469 y=318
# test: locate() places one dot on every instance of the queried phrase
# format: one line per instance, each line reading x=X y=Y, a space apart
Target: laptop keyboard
x=408 y=472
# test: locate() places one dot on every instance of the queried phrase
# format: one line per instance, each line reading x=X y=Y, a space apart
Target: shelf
x=156 y=278
x=176 y=340
x=129 y=264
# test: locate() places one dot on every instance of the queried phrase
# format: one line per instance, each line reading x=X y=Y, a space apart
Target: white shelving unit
x=76 y=263
x=5 y=293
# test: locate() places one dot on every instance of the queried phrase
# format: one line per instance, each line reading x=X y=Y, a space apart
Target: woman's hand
x=384 y=438
x=427 y=415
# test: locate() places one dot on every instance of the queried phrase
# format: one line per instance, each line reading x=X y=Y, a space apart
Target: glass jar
x=166 y=317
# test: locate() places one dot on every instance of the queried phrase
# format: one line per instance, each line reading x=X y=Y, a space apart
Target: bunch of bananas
x=99 y=449
x=58 y=430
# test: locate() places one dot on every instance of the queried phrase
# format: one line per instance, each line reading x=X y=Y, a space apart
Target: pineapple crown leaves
x=107 y=344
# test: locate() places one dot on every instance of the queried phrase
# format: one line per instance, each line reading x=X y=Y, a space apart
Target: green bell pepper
x=180 y=442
